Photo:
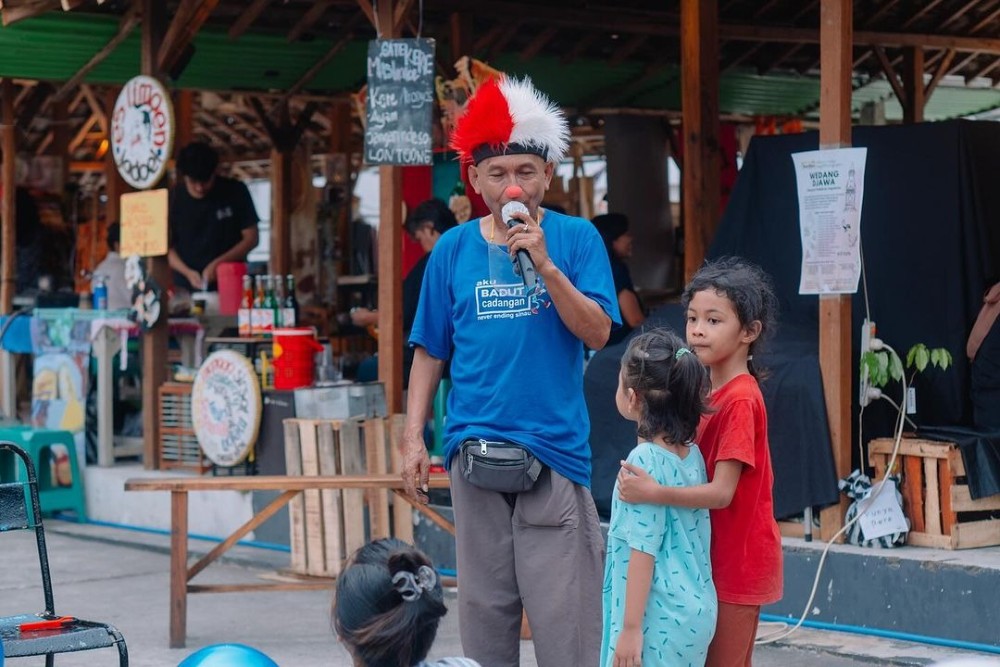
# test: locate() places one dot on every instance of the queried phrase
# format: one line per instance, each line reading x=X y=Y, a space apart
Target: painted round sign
x=226 y=407
x=142 y=132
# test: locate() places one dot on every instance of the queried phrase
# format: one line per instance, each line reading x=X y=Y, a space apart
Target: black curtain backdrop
x=930 y=231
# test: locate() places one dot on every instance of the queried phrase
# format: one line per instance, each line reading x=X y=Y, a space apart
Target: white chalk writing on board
x=400 y=102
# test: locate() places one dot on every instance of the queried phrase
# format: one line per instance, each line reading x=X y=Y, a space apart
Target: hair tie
x=681 y=351
x=411 y=586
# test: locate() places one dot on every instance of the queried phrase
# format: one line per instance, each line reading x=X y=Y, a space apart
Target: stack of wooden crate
x=327 y=526
x=936 y=495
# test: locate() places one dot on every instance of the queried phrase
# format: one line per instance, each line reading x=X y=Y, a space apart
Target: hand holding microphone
x=523 y=265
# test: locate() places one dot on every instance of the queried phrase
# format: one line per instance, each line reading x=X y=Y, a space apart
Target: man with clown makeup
x=516 y=440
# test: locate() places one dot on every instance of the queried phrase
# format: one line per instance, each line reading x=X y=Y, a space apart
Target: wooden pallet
x=936 y=495
x=177 y=445
x=327 y=526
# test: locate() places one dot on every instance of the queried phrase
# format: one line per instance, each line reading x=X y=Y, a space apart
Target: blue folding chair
x=45 y=633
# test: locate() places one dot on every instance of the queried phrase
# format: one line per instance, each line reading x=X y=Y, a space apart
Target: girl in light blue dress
x=659 y=601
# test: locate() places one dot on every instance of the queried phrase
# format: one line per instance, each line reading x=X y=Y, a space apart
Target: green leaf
x=895 y=368
x=946 y=359
x=869 y=367
x=909 y=355
x=882 y=377
x=922 y=358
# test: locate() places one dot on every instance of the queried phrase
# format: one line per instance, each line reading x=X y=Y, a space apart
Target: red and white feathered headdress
x=509 y=117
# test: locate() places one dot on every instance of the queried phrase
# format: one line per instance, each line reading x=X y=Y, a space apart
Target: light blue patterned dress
x=681 y=608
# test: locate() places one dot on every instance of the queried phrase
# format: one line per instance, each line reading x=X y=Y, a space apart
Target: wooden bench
x=181 y=575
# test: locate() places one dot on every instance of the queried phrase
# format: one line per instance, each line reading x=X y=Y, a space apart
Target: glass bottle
x=291 y=305
x=243 y=320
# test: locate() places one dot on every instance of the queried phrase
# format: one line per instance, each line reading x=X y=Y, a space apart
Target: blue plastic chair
x=20 y=509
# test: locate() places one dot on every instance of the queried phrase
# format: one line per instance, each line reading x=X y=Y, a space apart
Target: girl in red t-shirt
x=731 y=306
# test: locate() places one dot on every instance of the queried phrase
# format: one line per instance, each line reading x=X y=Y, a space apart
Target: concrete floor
x=121 y=577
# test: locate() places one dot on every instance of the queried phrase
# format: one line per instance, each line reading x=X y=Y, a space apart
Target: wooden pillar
x=390 y=255
x=836 y=40
x=700 y=110
x=8 y=211
x=114 y=185
x=913 y=83
x=281 y=214
x=154 y=341
x=461 y=32
x=184 y=118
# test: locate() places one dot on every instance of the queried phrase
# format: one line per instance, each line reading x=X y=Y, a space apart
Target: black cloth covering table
x=931 y=239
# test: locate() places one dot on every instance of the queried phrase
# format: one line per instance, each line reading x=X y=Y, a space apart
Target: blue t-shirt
x=516 y=370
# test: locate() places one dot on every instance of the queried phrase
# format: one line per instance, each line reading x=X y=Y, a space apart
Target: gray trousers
x=541 y=551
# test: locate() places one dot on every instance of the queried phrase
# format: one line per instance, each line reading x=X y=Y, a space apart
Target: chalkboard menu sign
x=400 y=101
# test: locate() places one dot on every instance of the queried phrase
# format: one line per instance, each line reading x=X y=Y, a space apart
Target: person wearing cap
x=613 y=228
x=211 y=218
x=516 y=355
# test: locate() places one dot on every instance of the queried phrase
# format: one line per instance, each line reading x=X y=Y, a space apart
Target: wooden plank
x=914 y=447
x=791 y=529
x=932 y=497
x=957 y=464
x=8 y=209
x=351 y=463
x=700 y=112
x=915 y=539
x=247 y=16
x=128 y=23
x=330 y=501
x=402 y=513
x=353 y=481
x=296 y=509
x=178 y=568
x=945 y=484
x=977 y=534
x=266 y=513
x=913 y=81
x=913 y=485
x=961 y=501
x=322 y=584
x=375 y=462
x=315 y=555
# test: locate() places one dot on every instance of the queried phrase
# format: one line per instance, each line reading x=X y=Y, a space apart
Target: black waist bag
x=501 y=466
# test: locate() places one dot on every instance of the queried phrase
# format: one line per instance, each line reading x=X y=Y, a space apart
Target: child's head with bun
x=388 y=605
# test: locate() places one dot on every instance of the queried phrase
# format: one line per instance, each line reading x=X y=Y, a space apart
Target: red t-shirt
x=746 y=544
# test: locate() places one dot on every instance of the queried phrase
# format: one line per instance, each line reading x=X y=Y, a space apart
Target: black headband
x=484 y=151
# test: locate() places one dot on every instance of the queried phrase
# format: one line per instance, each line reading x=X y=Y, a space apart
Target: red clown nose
x=513 y=192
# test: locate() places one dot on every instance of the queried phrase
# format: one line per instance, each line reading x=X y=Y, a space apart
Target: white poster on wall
x=831 y=185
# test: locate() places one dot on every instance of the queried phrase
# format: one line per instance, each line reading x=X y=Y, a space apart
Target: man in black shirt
x=425 y=225
x=212 y=219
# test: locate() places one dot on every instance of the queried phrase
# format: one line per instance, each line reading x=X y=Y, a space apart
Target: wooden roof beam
x=95 y=107
x=884 y=8
x=939 y=73
x=961 y=65
x=959 y=13
x=982 y=71
x=501 y=43
x=627 y=49
x=21 y=12
x=985 y=21
x=787 y=53
x=399 y=16
x=890 y=75
x=309 y=19
x=916 y=16
x=32 y=106
x=82 y=133
x=740 y=58
x=346 y=35
x=247 y=17
x=191 y=15
x=538 y=43
x=366 y=9
x=125 y=26
x=487 y=38
x=582 y=44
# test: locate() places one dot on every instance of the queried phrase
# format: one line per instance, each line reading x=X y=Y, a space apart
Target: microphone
x=523 y=266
